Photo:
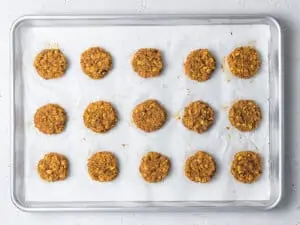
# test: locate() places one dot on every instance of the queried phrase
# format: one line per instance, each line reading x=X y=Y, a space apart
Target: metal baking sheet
x=176 y=36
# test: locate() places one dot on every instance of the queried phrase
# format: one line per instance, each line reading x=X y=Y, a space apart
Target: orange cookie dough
x=246 y=166
x=96 y=62
x=100 y=116
x=103 y=166
x=154 y=167
x=50 y=63
x=199 y=65
x=50 y=119
x=149 y=115
x=53 y=167
x=147 y=62
x=198 y=116
x=200 y=167
x=245 y=115
x=244 y=62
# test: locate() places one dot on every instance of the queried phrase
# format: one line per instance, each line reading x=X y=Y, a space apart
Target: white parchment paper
x=125 y=89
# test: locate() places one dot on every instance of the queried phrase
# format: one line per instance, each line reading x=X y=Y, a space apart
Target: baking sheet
x=125 y=89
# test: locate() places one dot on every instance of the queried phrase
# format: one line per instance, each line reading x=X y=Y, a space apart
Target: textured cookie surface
x=245 y=115
x=96 y=62
x=154 y=167
x=246 y=166
x=147 y=62
x=50 y=63
x=198 y=116
x=50 y=119
x=199 y=65
x=200 y=167
x=53 y=167
x=100 y=116
x=103 y=166
x=244 y=62
x=149 y=115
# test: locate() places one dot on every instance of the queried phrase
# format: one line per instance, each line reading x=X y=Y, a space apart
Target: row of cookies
x=246 y=167
x=149 y=116
x=244 y=62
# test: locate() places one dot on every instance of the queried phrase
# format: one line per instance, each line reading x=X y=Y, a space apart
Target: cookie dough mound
x=53 y=167
x=149 y=115
x=246 y=166
x=200 y=167
x=147 y=62
x=96 y=62
x=100 y=116
x=244 y=62
x=154 y=167
x=103 y=166
x=199 y=65
x=245 y=115
x=198 y=116
x=50 y=63
x=50 y=119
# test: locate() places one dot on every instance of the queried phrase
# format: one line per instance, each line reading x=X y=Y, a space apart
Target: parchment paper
x=125 y=89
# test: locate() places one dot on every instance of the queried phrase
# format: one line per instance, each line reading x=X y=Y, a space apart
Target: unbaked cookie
x=244 y=62
x=103 y=166
x=100 y=116
x=96 y=62
x=245 y=115
x=154 y=167
x=198 y=116
x=149 y=115
x=50 y=119
x=200 y=167
x=53 y=167
x=199 y=65
x=147 y=62
x=50 y=63
x=246 y=166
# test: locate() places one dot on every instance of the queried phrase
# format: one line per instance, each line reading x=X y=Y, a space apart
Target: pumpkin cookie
x=246 y=166
x=100 y=116
x=96 y=62
x=244 y=62
x=199 y=65
x=103 y=166
x=154 y=167
x=147 y=62
x=198 y=116
x=53 y=167
x=50 y=63
x=245 y=115
x=200 y=167
x=50 y=119
x=149 y=115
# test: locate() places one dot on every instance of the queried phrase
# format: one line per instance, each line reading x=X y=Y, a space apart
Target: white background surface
x=288 y=14
x=125 y=90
